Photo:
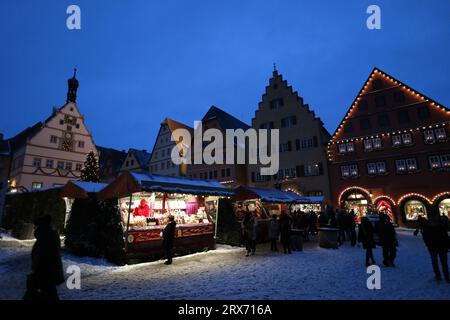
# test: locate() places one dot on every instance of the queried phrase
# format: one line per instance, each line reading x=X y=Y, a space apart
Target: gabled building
x=227 y=174
x=391 y=151
x=136 y=160
x=110 y=162
x=52 y=152
x=160 y=160
x=302 y=146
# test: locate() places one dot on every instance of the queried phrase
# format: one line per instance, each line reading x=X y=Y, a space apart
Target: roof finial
x=274 y=67
x=75 y=71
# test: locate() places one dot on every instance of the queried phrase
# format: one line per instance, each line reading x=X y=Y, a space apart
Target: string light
x=440 y=195
x=384 y=197
x=356 y=188
x=413 y=195
x=363 y=91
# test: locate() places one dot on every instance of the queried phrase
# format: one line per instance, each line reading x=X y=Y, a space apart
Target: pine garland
x=91 y=170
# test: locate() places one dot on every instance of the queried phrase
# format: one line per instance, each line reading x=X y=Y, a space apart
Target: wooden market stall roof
x=272 y=195
x=130 y=182
x=80 y=189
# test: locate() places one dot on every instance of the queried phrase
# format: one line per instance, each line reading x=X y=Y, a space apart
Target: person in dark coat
x=365 y=236
x=352 y=226
x=388 y=240
x=46 y=265
x=249 y=226
x=285 y=232
x=437 y=241
x=274 y=232
x=168 y=239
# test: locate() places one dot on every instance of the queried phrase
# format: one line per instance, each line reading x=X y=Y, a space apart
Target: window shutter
x=289 y=146
x=300 y=171
x=294 y=120
x=320 y=168
x=253 y=177
x=315 y=142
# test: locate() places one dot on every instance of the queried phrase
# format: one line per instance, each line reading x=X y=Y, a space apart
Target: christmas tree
x=90 y=172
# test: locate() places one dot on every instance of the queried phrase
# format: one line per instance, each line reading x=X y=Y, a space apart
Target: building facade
x=160 y=160
x=136 y=160
x=5 y=160
x=303 y=141
x=227 y=174
x=392 y=151
x=52 y=152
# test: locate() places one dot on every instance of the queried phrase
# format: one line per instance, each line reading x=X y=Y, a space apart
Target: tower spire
x=275 y=71
x=72 y=85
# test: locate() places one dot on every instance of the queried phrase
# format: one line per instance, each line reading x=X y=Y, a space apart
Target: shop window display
x=414 y=209
x=444 y=208
x=150 y=210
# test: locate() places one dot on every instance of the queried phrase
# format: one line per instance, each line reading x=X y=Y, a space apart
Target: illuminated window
x=342 y=148
x=397 y=140
x=349 y=170
x=377 y=143
x=368 y=145
x=414 y=209
x=350 y=147
x=37 y=185
x=435 y=162
x=440 y=133
x=411 y=164
x=406 y=138
x=49 y=163
x=371 y=168
x=400 y=165
x=445 y=160
x=429 y=136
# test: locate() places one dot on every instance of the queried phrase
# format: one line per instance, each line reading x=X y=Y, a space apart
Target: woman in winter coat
x=365 y=236
x=285 y=231
x=274 y=232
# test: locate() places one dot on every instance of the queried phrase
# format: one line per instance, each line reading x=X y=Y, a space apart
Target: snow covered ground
x=225 y=273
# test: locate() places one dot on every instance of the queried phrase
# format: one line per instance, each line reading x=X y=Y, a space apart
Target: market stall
x=145 y=202
x=308 y=204
x=264 y=203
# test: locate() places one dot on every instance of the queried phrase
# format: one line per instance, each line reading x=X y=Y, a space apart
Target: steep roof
x=362 y=91
x=173 y=125
x=142 y=156
x=226 y=120
x=22 y=137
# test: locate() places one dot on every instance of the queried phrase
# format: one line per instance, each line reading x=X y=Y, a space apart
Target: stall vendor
x=142 y=210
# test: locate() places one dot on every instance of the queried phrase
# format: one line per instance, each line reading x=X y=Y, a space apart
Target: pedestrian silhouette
x=437 y=241
x=365 y=236
x=168 y=239
x=46 y=265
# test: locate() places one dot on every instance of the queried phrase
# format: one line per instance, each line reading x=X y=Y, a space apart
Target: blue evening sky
x=142 y=61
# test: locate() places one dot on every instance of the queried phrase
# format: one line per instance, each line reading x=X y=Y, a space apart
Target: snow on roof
x=279 y=196
x=156 y=182
x=89 y=187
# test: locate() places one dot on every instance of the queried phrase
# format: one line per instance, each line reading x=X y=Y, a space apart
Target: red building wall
x=381 y=99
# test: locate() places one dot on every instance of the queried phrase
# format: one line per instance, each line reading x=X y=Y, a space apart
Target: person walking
x=365 y=236
x=46 y=265
x=388 y=240
x=437 y=241
x=168 y=239
x=274 y=232
x=285 y=232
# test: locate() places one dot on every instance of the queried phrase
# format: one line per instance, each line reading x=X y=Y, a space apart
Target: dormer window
x=342 y=148
x=346 y=147
x=350 y=147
